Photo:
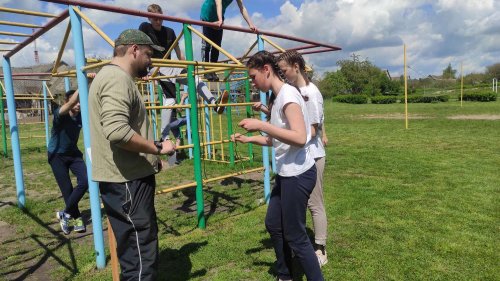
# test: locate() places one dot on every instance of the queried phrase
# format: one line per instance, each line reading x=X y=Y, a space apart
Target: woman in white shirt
x=293 y=66
x=288 y=132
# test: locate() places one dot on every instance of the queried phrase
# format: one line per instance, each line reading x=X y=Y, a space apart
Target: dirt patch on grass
x=475 y=117
x=395 y=116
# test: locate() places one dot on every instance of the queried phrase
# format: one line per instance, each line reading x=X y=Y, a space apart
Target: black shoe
x=215 y=78
x=212 y=77
x=182 y=80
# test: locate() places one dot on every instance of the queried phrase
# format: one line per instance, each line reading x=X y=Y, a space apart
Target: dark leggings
x=286 y=223
x=61 y=165
x=209 y=53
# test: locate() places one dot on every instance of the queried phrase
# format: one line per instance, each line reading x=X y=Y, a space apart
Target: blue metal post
x=46 y=112
x=14 y=133
x=83 y=89
x=153 y=112
x=265 y=149
x=66 y=84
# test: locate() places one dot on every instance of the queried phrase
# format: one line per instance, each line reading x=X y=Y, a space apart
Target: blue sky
x=436 y=32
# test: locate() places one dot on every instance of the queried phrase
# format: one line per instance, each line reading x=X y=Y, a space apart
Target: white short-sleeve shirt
x=290 y=160
x=314 y=104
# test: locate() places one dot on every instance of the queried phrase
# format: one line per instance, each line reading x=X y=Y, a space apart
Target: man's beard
x=142 y=72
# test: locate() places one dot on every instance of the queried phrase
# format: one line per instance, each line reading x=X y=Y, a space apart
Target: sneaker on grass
x=78 y=225
x=322 y=257
x=64 y=221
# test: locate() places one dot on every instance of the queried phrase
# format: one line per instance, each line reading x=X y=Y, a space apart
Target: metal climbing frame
x=82 y=65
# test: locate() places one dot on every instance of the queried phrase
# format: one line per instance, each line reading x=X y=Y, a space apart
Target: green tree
x=493 y=71
x=334 y=83
x=449 y=72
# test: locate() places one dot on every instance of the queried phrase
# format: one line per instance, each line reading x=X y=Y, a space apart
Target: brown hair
x=155 y=8
x=293 y=57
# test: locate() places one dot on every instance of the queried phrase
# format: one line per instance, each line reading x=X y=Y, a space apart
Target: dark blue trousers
x=286 y=223
x=61 y=165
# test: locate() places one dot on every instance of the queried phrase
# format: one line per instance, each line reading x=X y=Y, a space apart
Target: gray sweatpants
x=316 y=205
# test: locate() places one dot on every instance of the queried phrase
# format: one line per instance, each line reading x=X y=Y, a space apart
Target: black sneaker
x=215 y=78
x=222 y=99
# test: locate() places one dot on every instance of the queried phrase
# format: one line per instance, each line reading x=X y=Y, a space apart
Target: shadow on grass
x=31 y=260
x=175 y=265
x=266 y=244
x=218 y=201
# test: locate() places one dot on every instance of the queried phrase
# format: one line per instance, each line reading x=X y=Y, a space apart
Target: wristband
x=159 y=146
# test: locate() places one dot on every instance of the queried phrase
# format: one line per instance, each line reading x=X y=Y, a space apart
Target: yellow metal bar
x=273 y=44
x=48 y=90
x=8 y=42
x=25 y=109
x=197 y=63
x=62 y=73
x=169 y=51
x=95 y=65
x=167 y=190
x=14 y=34
x=211 y=120
x=26 y=12
x=204 y=126
x=215 y=45
x=95 y=27
x=193 y=184
x=2 y=22
x=5 y=50
x=241 y=59
x=461 y=84
x=61 y=49
x=406 y=87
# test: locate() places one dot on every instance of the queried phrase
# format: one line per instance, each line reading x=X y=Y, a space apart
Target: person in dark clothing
x=213 y=11
x=64 y=156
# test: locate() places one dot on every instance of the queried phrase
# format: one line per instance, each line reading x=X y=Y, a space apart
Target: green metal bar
x=200 y=208
x=229 y=121
x=249 y=113
x=4 y=132
x=177 y=92
x=160 y=94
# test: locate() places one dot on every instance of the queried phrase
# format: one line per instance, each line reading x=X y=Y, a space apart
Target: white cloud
x=436 y=32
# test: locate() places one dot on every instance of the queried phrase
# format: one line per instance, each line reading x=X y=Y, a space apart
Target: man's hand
x=168 y=147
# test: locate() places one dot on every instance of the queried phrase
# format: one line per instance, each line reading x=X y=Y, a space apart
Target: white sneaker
x=322 y=257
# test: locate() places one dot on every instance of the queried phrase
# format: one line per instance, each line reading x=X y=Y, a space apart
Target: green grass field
x=403 y=204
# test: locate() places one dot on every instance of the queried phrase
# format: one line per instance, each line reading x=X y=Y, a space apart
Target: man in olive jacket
x=124 y=155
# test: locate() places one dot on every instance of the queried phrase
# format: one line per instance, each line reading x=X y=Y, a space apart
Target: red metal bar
x=53 y=22
x=316 y=51
x=114 y=9
x=290 y=49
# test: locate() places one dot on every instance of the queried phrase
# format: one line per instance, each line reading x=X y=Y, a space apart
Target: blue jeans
x=61 y=164
x=286 y=223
